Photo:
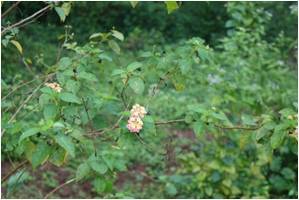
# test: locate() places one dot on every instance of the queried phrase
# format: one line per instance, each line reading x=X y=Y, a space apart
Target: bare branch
x=170 y=122
x=240 y=127
x=10 y=9
x=26 y=19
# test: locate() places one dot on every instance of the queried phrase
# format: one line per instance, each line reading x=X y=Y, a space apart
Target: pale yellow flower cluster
x=135 y=123
x=55 y=86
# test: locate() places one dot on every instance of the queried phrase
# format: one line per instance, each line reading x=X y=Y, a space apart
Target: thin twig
x=21 y=165
x=27 y=100
x=58 y=187
x=22 y=85
x=122 y=93
x=169 y=122
x=25 y=20
x=10 y=9
x=240 y=127
x=33 y=20
x=62 y=45
x=24 y=103
x=115 y=126
x=86 y=110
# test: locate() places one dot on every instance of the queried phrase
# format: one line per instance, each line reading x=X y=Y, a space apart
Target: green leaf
x=44 y=99
x=149 y=125
x=40 y=155
x=82 y=171
x=28 y=133
x=95 y=35
x=188 y=118
x=87 y=76
x=133 y=66
x=104 y=56
x=137 y=85
x=288 y=173
x=171 y=6
x=17 y=45
x=60 y=13
x=98 y=166
x=114 y=46
x=50 y=111
x=100 y=185
x=58 y=157
x=66 y=142
x=117 y=72
x=17 y=180
x=265 y=130
x=69 y=97
x=198 y=127
x=72 y=86
x=171 y=189
x=185 y=66
x=134 y=3
x=64 y=63
x=117 y=35
x=29 y=148
x=278 y=136
x=66 y=8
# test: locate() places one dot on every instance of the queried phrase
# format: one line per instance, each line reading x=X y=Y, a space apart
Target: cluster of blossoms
x=54 y=86
x=135 y=123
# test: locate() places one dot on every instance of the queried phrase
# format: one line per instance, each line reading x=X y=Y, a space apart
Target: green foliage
x=238 y=97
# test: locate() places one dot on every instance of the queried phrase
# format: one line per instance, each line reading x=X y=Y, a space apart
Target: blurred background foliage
x=248 y=73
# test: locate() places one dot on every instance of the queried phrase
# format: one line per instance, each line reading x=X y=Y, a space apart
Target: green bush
x=238 y=96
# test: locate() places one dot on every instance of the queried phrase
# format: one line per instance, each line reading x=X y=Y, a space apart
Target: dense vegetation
x=218 y=81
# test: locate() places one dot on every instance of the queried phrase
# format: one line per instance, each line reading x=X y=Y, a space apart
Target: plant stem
x=58 y=187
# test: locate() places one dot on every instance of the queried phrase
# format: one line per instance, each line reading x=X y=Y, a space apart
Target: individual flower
x=55 y=86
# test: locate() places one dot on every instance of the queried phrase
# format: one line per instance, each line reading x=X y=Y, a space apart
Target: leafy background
x=226 y=72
